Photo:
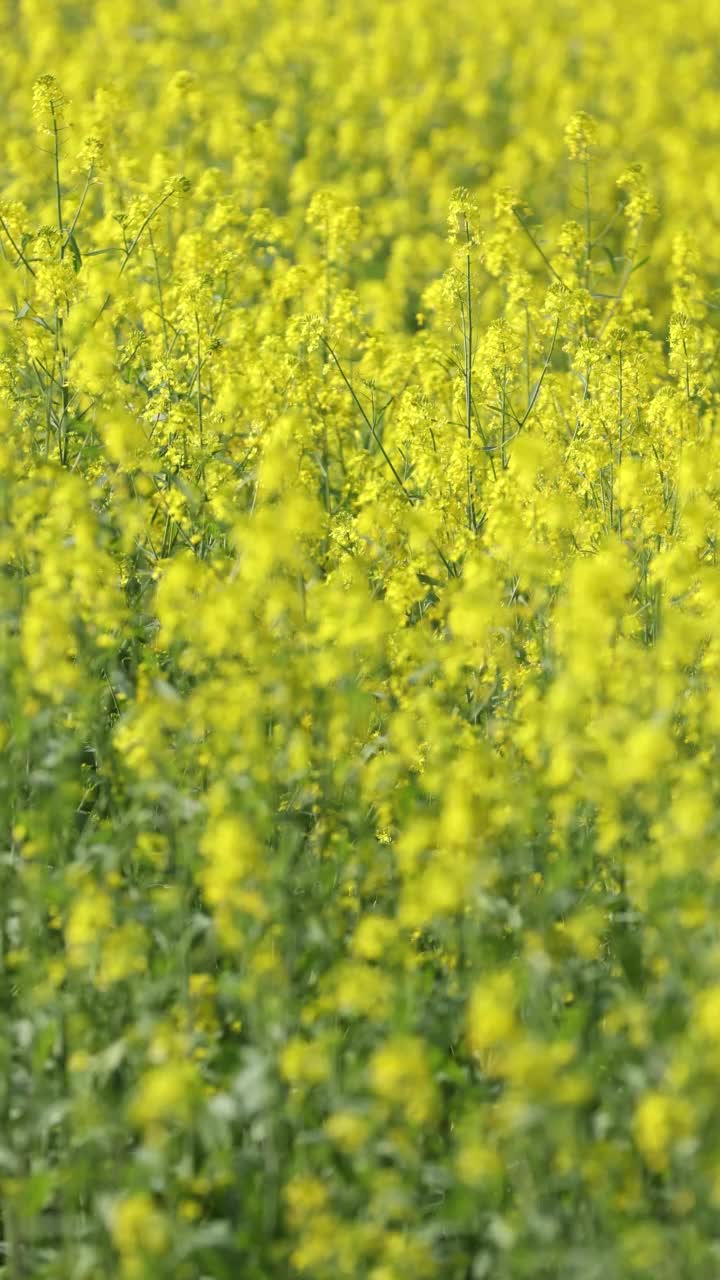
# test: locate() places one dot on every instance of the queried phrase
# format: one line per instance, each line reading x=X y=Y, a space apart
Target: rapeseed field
x=360 y=640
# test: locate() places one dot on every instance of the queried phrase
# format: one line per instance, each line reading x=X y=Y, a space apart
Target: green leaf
x=610 y=257
x=640 y=264
x=76 y=255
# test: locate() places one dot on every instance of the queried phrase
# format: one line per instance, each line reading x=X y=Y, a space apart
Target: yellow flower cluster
x=359 y=640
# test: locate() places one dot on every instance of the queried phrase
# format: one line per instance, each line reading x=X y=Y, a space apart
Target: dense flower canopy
x=360 y=640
